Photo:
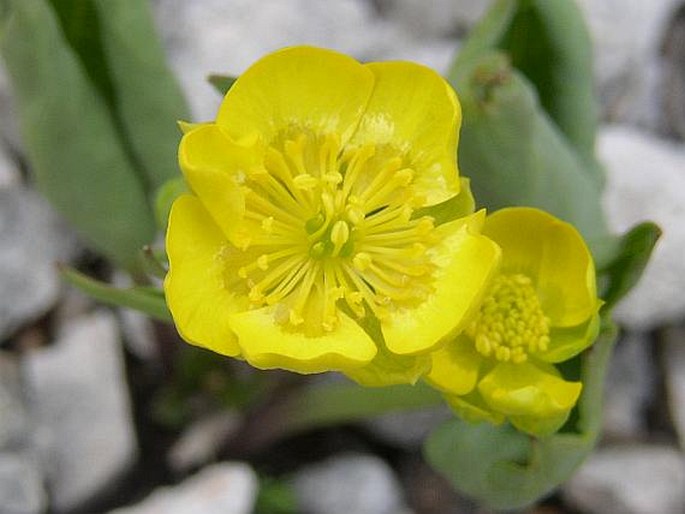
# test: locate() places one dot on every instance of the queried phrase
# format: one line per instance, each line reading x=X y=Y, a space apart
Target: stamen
x=510 y=324
x=336 y=224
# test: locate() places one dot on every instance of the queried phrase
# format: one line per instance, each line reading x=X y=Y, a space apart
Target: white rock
x=629 y=386
x=673 y=87
x=79 y=398
x=225 y=488
x=627 y=35
x=630 y=480
x=202 y=440
x=21 y=487
x=32 y=240
x=362 y=484
x=226 y=36
x=431 y=18
x=673 y=362
x=645 y=181
x=139 y=334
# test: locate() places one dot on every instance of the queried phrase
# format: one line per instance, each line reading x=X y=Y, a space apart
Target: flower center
x=510 y=324
x=332 y=227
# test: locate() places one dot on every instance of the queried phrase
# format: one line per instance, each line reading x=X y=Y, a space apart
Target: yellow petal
x=389 y=369
x=298 y=87
x=214 y=167
x=570 y=341
x=414 y=110
x=466 y=261
x=553 y=254
x=194 y=286
x=463 y=204
x=455 y=367
x=266 y=344
x=527 y=390
x=540 y=427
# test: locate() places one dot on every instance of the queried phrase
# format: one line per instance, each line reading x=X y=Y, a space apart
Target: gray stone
x=14 y=422
x=362 y=484
x=629 y=387
x=139 y=334
x=627 y=37
x=9 y=174
x=32 y=240
x=673 y=363
x=21 y=487
x=224 y=488
x=137 y=328
x=645 y=181
x=629 y=480
x=410 y=428
x=79 y=399
x=431 y=18
x=674 y=76
x=226 y=36
x=201 y=441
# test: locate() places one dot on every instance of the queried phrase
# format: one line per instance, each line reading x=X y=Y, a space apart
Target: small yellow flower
x=302 y=246
x=540 y=309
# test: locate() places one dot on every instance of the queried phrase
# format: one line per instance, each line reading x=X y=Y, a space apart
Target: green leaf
x=325 y=405
x=148 y=300
x=484 y=37
x=81 y=28
x=514 y=153
x=506 y=469
x=550 y=44
x=222 y=83
x=148 y=99
x=631 y=256
x=71 y=140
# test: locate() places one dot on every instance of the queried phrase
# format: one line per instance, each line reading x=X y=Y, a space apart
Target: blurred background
x=104 y=409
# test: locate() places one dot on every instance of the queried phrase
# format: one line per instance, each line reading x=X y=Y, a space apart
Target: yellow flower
x=303 y=231
x=540 y=309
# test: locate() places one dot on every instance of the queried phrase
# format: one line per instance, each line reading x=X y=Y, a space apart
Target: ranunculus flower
x=301 y=246
x=540 y=309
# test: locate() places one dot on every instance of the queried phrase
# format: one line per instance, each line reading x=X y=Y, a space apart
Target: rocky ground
x=82 y=426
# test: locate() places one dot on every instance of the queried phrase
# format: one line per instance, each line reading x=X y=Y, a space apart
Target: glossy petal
x=266 y=344
x=569 y=342
x=305 y=87
x=527 y=390
x=213 y=165
x=388 y=369
x=414 y=110
x=455 y=367
x=465 y=264
x=540 y=426
x=194 y=286
x=553 y=254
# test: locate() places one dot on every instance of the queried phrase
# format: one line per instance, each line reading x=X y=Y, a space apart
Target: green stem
x=145 y=299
